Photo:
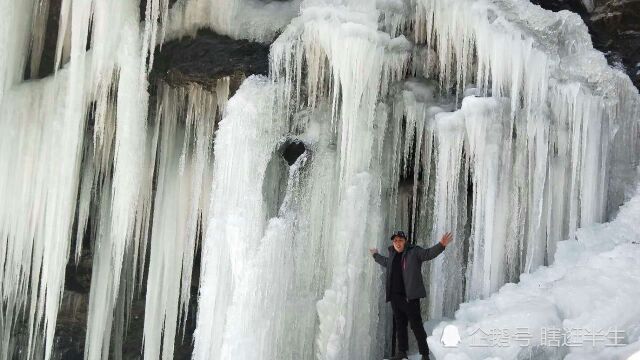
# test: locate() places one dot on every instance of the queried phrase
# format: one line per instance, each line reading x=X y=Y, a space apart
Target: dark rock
x=615 y=26
x=556 y=5
x=78 y=277
x=71 y=326
x=208 y=57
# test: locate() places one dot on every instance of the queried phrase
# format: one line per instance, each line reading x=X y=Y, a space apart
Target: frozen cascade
x=337 y=41
x=540 y=142
x=236 y=213
x=250 y=304
x=184 y=178
x=493 y=119
x=28 y=203
x=38 y=231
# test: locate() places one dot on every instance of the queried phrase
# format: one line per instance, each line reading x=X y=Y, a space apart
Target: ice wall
x=492 y=119
x=534 y=145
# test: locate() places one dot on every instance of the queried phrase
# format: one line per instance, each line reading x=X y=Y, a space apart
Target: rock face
x=208 y=57
x=614 y=26
x=576 y=6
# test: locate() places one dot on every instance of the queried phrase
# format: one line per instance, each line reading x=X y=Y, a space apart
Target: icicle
x=418 y=105
x=63 y=42
x=37 y=230
x=120 y=85
x=488 y=152
x=182 y=181
x=394 y=16
x=101 y=298
x=283 y=299
x=445 y=271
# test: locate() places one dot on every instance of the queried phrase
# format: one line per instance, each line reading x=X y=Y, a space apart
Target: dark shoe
x=425 y=357
x=399 y=356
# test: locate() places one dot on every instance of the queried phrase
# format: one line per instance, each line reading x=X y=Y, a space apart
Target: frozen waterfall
x=493 y=119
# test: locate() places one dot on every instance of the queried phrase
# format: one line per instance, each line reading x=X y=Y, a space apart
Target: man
x=404 y=287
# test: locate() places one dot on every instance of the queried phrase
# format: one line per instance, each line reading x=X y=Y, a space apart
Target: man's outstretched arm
x=382 y=260
x=435 y=250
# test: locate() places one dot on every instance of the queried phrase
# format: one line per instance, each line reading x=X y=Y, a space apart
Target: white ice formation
x=494 y=119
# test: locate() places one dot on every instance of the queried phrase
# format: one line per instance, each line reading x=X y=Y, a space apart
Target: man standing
x=404 y=287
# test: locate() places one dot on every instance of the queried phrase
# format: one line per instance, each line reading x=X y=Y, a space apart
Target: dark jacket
x=412 y=259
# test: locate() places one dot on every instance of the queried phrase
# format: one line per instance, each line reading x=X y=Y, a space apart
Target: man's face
x=399 y=243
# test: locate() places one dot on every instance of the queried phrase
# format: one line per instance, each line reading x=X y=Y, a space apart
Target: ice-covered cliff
x=496 y=120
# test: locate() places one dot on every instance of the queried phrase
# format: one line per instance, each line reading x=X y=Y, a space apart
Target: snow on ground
x=583 y=306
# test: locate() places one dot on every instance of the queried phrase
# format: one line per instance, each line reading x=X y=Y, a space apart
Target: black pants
x=408 y=312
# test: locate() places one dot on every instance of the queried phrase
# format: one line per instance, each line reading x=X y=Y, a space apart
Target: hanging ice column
x=180 y=207
x=49 y=118
x=114 y=274
x=38 y=204
x=479 y=129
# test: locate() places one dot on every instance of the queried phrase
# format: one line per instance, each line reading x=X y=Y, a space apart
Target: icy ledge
x=593 y=286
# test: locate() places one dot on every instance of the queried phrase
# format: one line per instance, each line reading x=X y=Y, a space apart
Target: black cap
x=399 y=233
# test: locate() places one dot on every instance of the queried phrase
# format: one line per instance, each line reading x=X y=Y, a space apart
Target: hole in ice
x=291 y=151
x=274 y=185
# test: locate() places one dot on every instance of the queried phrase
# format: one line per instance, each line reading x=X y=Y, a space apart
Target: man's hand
x=373 y=251
x=446 y=239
